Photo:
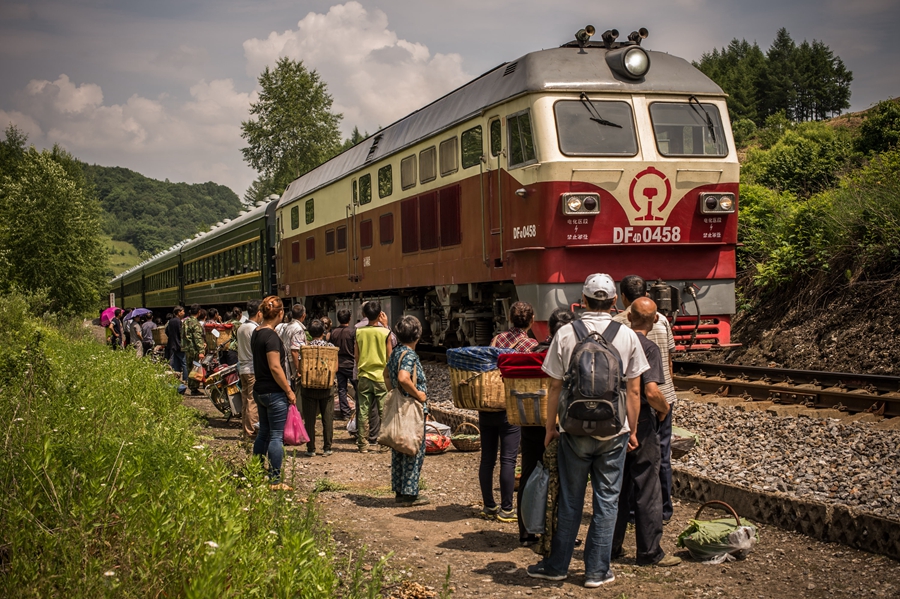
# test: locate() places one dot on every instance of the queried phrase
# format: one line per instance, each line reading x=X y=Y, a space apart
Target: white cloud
x=374 y=76
x=197 y=140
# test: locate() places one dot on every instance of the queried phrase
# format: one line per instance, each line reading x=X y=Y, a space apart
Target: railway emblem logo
x=650 y=193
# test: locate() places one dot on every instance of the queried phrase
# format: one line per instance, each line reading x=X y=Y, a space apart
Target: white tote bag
x=403 y=422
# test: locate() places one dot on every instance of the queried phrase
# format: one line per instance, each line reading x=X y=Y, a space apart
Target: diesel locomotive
x=599 y=155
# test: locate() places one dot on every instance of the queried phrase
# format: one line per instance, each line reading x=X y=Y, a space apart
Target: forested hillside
x=152 y=214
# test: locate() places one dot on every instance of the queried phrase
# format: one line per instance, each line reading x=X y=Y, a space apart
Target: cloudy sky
x=162 y=86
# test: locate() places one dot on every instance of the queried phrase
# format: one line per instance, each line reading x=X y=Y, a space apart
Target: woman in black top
x=272 y=390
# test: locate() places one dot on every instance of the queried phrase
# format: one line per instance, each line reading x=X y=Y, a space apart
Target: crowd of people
x=629 y=470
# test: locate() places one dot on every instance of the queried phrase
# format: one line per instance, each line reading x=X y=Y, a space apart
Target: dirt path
x=486 y=561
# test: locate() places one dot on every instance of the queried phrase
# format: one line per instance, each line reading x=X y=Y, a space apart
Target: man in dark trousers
x=344 y=337
x=641 y=477
x=173 y=343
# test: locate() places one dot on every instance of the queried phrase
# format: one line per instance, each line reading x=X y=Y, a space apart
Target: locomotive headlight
x=630 y=62
x=581 y=204
x=636 y=62
x=716 y=203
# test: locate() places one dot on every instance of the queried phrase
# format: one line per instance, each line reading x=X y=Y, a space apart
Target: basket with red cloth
x=525 y=386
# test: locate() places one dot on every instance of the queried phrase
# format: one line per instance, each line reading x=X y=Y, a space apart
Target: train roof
x=562 y=69
x=216 y=231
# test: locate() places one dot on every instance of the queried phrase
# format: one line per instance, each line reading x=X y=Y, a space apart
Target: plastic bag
x=351 y=426
x=198 y=373
x=294 y=431
x=534 y=500
x=714 y=541
x=435 y=441
x=403 y=423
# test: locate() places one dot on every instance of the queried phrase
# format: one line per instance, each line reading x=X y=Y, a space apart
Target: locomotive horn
x=637 y=36
x=584 y=35
x=609 y=36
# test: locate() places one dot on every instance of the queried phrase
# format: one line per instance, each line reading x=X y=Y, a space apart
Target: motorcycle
x=223 y=387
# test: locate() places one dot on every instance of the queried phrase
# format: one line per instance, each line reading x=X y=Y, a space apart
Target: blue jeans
x=176 y=361
x=343 y=377
x=665 y=464
x=273 y=409
x=604 y=461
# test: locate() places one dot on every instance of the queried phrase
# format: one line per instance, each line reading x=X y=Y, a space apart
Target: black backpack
x=595 y=403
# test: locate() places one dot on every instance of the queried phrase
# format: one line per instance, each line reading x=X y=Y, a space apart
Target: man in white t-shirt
x=580 y=456
x=293 y=336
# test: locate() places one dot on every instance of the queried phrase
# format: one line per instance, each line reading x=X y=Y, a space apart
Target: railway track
x=811 y=389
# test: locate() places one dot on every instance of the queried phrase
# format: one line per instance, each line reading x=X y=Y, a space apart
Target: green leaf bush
x=109 y=492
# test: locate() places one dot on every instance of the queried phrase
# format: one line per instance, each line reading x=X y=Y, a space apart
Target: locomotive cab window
x=471 y=147
x=582 y=133
x=521 y=141
x=496 y=138
x=688 y=129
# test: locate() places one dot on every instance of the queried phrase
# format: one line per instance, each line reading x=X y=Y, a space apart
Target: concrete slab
x=822 y=414
x=754 y=406
x=786 y=411
x=863 y=417
x=888 y=424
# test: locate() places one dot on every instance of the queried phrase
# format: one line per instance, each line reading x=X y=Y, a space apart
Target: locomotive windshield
x=580 y=133
x=683 y=129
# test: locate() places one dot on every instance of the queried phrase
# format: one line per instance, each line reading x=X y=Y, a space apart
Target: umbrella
x=107 y=315
x=139 y=312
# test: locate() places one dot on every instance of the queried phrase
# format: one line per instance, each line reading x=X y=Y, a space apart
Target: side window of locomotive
x=471 y=146
x=449 y=153
x=580 y=133
x=355 y=194
x=365 y=234
x=385 y=181
x=427 y=165
x=329 y=241
x=295 y=217
x=687 y=129
x=496 y=138
x=386 y=228
x=408 y=172
x=310 y=211
x=365 y=189
x=521 y=141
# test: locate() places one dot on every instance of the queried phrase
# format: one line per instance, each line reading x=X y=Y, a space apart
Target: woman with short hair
x=404 y=372
x=272 y=390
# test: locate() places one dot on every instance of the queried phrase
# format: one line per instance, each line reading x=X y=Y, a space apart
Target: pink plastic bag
x=294 y=431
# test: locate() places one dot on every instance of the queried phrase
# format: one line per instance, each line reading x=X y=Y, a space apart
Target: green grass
x=109 y=492
x=122 y=255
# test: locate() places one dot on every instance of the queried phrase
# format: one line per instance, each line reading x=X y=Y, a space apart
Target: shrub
x=109 y=492
x=743 y=130
x=880 y=131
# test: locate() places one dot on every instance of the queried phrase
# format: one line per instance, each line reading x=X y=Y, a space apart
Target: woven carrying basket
x=482 y=391
x=463 y=443
x=213 y=341
x=159 y=336
x=526 y=401
x=318 y=366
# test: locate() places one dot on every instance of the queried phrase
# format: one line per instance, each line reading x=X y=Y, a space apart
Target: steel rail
x=814 y=389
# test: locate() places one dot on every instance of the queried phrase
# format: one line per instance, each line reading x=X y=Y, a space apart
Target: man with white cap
x=603 y=458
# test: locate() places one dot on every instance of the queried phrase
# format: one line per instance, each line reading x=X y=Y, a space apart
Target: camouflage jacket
x=232 y=343
x=193 y=341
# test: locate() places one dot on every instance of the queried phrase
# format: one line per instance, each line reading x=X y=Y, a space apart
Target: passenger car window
x=580 y=136
x=310 y=211
x=295 y=217
x=682 y=129
x=521 y=142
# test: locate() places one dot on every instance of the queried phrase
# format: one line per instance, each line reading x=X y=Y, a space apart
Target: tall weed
x=108 y=491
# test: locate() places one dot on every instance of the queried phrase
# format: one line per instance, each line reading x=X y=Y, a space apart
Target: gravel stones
x=827 y=460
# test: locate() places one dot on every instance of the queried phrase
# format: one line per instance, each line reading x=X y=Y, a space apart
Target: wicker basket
x=318 y=366
x=465 y=443
x=526 y=401
x=482 y=391
x=212 y=341
x=159 y=336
